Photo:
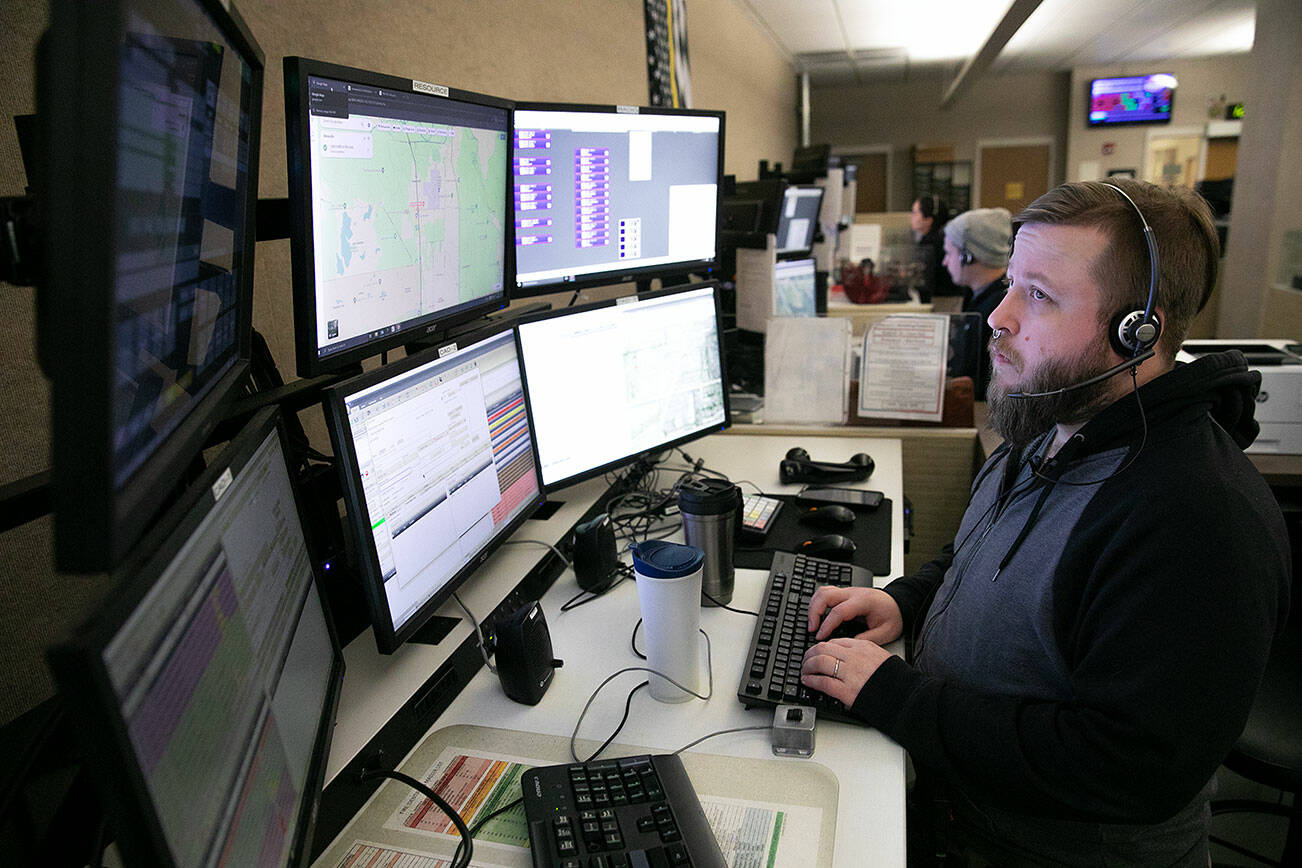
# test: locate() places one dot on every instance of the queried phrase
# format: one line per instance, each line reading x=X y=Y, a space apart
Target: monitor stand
x=434 y=630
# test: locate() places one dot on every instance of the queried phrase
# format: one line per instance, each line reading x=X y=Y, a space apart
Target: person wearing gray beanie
x=976 y=256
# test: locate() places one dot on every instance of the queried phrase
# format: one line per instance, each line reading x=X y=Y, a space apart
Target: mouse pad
x=871 y=533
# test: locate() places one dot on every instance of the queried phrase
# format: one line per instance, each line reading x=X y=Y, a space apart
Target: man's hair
x=1188 y=249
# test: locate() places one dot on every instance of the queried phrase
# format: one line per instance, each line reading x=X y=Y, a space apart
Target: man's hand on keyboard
x=831 y=607
x=840 y=667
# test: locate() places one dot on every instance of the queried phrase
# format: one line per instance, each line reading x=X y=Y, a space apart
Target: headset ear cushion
x=1130 y=335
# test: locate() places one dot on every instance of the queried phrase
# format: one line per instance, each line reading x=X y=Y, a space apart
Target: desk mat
x=871 y=533
x=418 y=841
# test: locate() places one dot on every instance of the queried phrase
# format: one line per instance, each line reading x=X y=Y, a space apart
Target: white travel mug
x=669 y=593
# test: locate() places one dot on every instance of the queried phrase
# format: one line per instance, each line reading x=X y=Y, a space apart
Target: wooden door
x=1013 y=176
x=1222 y=155
x=870 y=182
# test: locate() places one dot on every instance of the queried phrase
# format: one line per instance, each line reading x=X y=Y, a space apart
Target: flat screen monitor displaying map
x=606 y=194
x=794 y=288
x=398 y=194
x=437 y=461
x=611 y=381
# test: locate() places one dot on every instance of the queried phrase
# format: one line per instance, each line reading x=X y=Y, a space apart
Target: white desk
x=593 y=640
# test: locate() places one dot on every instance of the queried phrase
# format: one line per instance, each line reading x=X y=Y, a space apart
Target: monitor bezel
x=358 y=518
x=1089 y=98
x=669 y=444
x=87 y=693
x=302 y=242
x=798 y=252
x=616 y=274
x=95 y=521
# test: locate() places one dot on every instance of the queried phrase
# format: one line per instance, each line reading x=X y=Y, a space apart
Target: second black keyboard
x=634 y=812
x=772 y=670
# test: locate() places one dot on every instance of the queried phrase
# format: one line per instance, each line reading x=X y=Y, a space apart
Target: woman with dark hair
x=927 y=219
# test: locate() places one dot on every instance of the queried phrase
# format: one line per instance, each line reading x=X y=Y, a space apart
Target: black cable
x=1143 y=440
x=632 y=642
x=729 y=608
x=622 y=572
x=419 y=786
x=479 y=824
x=628 y=704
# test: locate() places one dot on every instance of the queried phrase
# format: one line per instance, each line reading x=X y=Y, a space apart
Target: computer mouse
x=832 y=546
x=830 y=516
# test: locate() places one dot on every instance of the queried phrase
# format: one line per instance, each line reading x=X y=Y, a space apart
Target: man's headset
x=799 y=467
x=1130 y=332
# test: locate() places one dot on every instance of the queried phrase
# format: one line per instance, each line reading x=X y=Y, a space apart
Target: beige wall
x=906 y=113
x=1268 y=186
x=1200 y=82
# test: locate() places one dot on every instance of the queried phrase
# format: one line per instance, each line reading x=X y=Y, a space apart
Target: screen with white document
x=798 y=219
x=437 y=461
x=612 y=381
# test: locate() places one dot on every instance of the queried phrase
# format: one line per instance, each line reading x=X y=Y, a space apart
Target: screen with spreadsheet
x=438 y=464
x=209 y=687
x=612 y=381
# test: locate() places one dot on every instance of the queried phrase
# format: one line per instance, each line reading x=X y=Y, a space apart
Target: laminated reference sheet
x=400 y=828
x=902 y=368
x=807 y=370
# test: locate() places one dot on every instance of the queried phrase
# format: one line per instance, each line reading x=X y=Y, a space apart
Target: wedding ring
x=836 y=668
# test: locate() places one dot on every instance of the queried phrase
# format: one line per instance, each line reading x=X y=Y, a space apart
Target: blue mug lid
x=660 y=559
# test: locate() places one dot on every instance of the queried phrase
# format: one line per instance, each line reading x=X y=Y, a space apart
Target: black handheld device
x=855 y=498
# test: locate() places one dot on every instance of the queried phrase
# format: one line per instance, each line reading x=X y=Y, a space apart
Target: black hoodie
x=1089 y=646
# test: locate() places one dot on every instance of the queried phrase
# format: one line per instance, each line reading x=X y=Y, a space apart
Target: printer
x=1279 y=404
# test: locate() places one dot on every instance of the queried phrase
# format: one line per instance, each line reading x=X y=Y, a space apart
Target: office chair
x=1269 y=751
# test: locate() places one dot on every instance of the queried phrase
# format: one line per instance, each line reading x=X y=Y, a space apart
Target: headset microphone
x=1097 y=378
x=1135 y=332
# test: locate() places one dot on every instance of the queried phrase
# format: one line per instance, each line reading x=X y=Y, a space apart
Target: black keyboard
x=633 y=812
x=772 y=671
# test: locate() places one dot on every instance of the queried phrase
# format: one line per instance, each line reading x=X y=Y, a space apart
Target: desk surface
x=593 y=640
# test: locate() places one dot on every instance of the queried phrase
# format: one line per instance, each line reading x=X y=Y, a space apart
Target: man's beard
x=1021 y=420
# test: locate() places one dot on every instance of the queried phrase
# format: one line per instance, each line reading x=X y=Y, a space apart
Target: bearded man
x=1085 y=653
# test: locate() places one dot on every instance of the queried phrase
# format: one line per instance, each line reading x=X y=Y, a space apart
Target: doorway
x=1174 y=157
x=872 y=176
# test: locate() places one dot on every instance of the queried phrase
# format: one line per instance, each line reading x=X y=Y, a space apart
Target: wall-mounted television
x=1136 y=99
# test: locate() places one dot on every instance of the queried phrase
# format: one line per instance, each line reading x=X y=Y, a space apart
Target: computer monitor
x=798 y=220
x=438 y=464
x=398 y=195
x=749 y=212
x=606 y=194
x=151 y=111
x=813 y=160
x=205 y=690
x=794 y=288
x=611 y=381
